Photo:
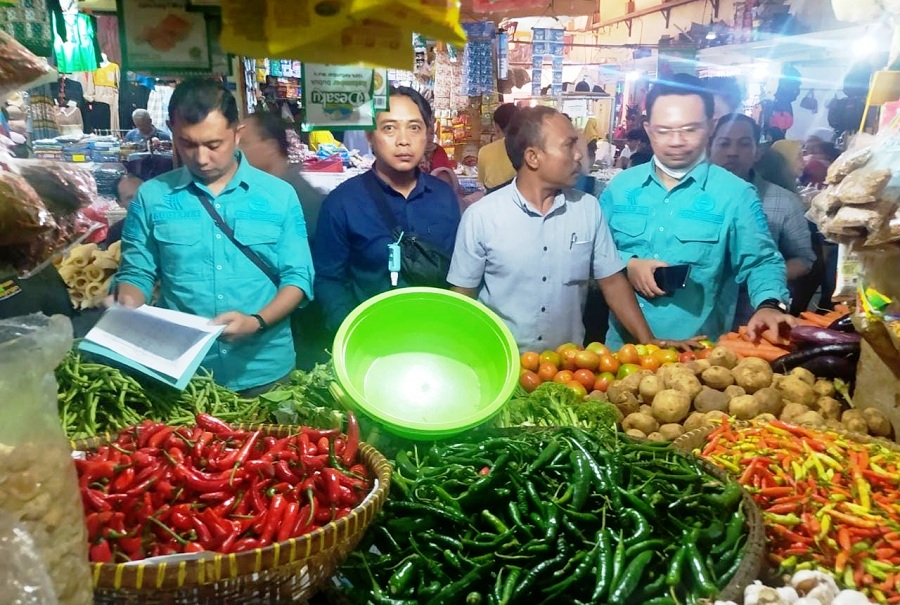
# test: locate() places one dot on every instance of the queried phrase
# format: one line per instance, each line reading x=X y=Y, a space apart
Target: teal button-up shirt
x=168 y=237
x=712 y=221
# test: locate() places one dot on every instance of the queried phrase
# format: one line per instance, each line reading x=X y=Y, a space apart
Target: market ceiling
x=499 y=9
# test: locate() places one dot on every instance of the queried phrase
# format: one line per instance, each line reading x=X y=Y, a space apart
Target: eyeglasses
x=689 y=132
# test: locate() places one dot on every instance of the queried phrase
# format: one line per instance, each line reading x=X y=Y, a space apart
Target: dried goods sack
x=23 y=216
x=862 y=186
x=848 y=162
x=19 y=67
x=852 y=217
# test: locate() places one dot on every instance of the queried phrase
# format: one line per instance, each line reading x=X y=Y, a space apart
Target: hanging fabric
x=31 y=25
x=78 y=51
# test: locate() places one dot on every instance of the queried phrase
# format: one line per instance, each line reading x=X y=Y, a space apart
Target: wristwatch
x=773 y=303
x=263 y=325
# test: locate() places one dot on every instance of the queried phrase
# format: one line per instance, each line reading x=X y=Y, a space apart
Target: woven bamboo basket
x=285 y=572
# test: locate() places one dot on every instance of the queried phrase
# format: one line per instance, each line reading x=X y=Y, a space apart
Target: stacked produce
x=550 y=516
x=829 y=502
x=804 y=588
x=160 y=490
x=88 y=271
x=95 y=398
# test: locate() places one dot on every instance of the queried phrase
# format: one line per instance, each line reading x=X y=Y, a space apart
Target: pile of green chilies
x=556 y=516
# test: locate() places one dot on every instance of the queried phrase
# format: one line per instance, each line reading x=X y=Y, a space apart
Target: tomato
x=550 y=357
x=665 y=356
x=564 y=376
x=578 y=388
x=628 y=354
x=707 y=344
x=530 y=381
x=588 y=360
x=547 y=371
x=567 y=345
x=585 y=377
x=704 y=353
x=649 y=362
x=608 y=363
x=641 y=350
x=652 y=349
x=530 y=360
x=598 y=347
x=603 y=381
x=627 y=369
x=568 y=359
x=687 y=356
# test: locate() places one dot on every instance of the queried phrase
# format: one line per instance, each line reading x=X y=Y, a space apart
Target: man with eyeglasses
x=679 y=209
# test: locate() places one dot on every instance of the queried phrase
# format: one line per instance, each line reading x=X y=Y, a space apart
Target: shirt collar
x=699 y=175
x=422 y=185
x=523 y=204
x=241 y=176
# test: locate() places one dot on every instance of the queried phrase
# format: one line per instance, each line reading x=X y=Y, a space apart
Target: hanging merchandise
x=448 y=82
x=502 y=55
x=30 y=24
x=337 y=30
x=478 y=59
x=78 y=50
x=338 y=97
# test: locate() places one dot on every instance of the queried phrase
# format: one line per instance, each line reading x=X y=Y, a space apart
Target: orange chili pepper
x=844 y=538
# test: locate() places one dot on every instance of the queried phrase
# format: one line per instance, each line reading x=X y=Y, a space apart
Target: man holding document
x=223 y=240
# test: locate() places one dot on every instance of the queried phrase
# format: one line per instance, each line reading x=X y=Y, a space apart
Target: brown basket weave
x=290 y=571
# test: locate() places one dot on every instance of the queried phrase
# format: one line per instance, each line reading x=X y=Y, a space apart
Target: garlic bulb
x=757 y=594
x=850 y=597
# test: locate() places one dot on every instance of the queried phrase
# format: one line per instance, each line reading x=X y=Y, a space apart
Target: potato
x=824 y=388
x=856 y=425
x=598 y=396
x=804 y=375
x=852 y=413
x=656 y=437
x=766 y=417
x=698 y=366
x=671 y=373
x=878 y=423
x=693 y=422
x=776 y=379
x=628 y=404
x=717 y=377
x=636 y=433
x=770 y=401
x=810 y=418
x=752 y=377
x=649 y=387
x=756 y=362
x=724 y=357
x=671 y=405
x=834 y=424
x=711 y=399
x=744 y=407
x=797 y=390
x=671 y=431
x=792 y=411
x=643 y=422
x=716 y=417
x=646 y=409
x=686 y=383
x=633 y=381
x=617 y=393
x=735 y=391
x=829 y=407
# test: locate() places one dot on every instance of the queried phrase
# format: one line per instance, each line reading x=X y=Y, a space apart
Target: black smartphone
x=672 y=278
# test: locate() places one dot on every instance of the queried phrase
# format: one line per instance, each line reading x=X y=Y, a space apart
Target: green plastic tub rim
x=353 y=398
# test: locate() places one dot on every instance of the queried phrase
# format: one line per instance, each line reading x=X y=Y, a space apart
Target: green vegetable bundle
x=550 y=516
x=554 y=404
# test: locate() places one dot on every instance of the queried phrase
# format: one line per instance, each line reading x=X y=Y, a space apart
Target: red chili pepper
x=93 y=499
x=228 y=545
x=157 y=438
x=131 y=545
x=257 y=503
x=93 y=470
x=246 y=544
x=347 y=497
x=307 y=446
x=304 y=519
x=147 y=432
x=314 y=463
x=323 y=444
x=342 y=512
x=273 y=518
x=204 y=533
x=193 y=547
x=101 y=552
x=262 y=466
x=332 y=485
x=200 y=446
x=339 y=445
x=214 y=496
x=284 y=473
x=287 y=523
x=781 y=509
x=323 y=515
x=315 y=435
x=208 y=482
x=236 y=456
x=123 y=481
x=360 y=471
x=349 y=454
x=214 y=425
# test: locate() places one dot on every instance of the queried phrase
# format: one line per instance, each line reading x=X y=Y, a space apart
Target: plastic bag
x=23 y=576
x=23 y=216
x=19 y=67
x=40 y=486
x=65 y=188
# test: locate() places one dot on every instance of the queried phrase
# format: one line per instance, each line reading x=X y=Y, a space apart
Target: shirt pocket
x=628 y=224
x=179 y=249
x=260 y=236
x=699 y=241
x=577 y=268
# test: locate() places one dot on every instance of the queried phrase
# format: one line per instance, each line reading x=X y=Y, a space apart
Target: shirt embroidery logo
x=704 y=203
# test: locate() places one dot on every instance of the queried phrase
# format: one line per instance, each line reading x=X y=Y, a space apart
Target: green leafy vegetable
x=554 y=404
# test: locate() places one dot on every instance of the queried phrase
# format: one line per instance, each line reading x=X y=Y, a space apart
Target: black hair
x=196 y=98
x=592 y=147
x=526 y=130
x=725 y=87
x=638 y=134
x=272 y=128
x=416 y=97
x=732 y=118
x=682 y=85
x=503 y=115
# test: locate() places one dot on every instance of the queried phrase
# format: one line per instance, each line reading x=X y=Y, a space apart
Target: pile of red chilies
x=161 y=490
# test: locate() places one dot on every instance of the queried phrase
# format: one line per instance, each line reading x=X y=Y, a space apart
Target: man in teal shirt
x=680 y=209
x=170 y=238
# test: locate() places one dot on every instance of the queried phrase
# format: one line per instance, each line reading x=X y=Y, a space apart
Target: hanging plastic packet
x=848 y=271
x=370 y=42
x=438 y=19
x=395 y=260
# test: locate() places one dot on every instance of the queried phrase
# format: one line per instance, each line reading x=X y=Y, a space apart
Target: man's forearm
x=284 y=303
x=797 y=267
x=622 y=302
x=470 y=292
x=130 y=295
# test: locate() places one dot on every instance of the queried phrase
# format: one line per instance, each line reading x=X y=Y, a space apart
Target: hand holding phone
x=671 y=278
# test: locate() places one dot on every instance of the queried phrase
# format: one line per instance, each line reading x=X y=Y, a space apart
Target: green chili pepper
x=630 y=578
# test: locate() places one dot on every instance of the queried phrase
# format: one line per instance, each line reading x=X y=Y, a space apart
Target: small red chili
x=213 y=424
x=323 y=444
x=275 y=514
x=123 y=481
x=348 y=457
x=101 y=552
x=159 y=436
x=193 y=547
x=332 y=485
x=485 y=470
x=286 y=526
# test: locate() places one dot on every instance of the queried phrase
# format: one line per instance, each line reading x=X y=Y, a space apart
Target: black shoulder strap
x=380 y=199
x=229 y=233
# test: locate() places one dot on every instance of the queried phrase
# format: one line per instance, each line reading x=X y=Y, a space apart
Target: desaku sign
x=499 y=6
x=340 y=97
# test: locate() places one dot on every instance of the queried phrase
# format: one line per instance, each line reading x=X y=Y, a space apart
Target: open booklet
x=166 y=345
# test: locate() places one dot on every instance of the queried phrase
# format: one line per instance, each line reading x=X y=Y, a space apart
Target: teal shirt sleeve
x=606 y=207
x=140 y=255
x=294 y=258
x=755 y=258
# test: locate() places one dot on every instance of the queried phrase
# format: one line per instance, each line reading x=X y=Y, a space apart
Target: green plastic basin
x=425 y=363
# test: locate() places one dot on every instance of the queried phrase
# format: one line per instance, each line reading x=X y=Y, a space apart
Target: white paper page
x=174 y=367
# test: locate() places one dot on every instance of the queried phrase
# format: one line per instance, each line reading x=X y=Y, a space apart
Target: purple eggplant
x=848 y=350
x=832 y=366
x=811 y=336
x=843 y=324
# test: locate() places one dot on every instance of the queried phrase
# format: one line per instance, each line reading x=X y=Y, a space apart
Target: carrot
x=816 y=319
x=841 y=309
x=748 y=349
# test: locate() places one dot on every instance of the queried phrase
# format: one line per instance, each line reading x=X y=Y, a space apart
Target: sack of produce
x=65 y=188
x=39 y=488
x=19 y=67
x=23 y=216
